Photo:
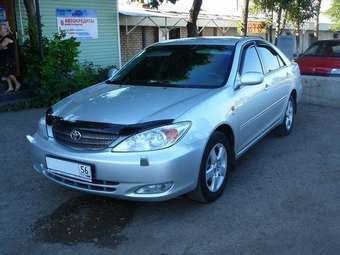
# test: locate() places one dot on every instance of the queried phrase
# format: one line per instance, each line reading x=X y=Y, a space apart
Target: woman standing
x=7 y=59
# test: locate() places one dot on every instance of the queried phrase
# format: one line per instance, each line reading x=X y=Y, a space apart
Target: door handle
x=266 y=86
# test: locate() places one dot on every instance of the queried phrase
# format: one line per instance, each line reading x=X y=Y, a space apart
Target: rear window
x=198 y=66
x=324 y=49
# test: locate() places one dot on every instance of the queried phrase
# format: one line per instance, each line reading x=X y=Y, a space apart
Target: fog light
x=155 y=188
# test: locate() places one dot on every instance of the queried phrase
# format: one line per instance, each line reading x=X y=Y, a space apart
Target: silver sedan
x=171 y=122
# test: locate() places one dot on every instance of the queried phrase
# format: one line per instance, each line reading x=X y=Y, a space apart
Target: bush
x=87 y=74
x=57 y=65
x=57 y=73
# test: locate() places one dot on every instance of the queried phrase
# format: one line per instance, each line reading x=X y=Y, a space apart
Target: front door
x=250 y=101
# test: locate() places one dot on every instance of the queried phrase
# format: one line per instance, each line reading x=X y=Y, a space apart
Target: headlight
x=154 y=139
x=335 y=71
x=42 y=127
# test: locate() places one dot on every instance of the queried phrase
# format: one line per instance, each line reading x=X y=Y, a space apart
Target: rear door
x=278 y=80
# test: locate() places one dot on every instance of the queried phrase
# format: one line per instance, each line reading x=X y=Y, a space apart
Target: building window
x=215 y=31
x=311 y=39
x=175 y=33
x=200 y=31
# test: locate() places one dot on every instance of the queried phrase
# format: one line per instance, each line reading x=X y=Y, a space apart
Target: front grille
x=82 y=137
x=95 y=185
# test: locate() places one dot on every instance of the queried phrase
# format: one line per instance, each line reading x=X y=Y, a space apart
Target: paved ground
x=284 y=198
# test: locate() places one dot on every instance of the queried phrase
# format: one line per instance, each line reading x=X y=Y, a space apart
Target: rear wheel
x=288 y=122
x=215 y=169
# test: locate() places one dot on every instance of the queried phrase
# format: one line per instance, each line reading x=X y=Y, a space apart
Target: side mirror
x=251 y=78
x=112 y=72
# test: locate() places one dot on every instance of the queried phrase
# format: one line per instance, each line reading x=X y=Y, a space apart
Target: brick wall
x=183 y=32
x=230 y=32
x=135 y=41
x=209 y=31
x=150 y=35
x=142 y=37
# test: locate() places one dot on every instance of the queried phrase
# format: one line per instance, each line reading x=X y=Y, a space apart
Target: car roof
x=213 y=40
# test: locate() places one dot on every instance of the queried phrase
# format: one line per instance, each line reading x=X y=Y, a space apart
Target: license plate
x=72 y=169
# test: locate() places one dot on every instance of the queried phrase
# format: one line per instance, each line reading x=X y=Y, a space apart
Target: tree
x=156 y=3
x=334 y=12
x=301 y=11
x=317 y=27
x=280 y=8
x=33 y=26
x=244 y=28
x=193 y=14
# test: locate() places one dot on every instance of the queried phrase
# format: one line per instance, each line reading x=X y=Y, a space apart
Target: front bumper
x=121 y=174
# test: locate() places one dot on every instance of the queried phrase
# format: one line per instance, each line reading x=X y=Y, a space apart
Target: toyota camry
x=171 y=122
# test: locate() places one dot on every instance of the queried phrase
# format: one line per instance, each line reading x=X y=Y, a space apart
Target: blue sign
x=76 y=13
x=3 y=17
x=81 y=24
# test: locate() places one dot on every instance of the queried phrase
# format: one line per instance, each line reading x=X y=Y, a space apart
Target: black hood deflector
x=117 y=129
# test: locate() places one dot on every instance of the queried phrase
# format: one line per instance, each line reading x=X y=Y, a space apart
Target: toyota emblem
x=75 y=135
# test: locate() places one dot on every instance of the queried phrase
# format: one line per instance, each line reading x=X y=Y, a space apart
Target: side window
x=270 y=60
x=251 y=61
x=312 y=50
x=281 y=63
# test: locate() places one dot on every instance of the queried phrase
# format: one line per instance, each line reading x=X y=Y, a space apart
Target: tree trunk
x=278 y=25
x=271 y=26
x=193 y=15
x=33 y=25
x=244 y=29
x=298 y=32
x=317 y=29
x=284 y=22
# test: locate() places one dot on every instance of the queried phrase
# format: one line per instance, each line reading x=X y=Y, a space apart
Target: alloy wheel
x=216 y=167
x=289 y=115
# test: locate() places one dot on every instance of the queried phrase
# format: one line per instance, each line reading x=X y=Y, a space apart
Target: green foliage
x=296 y=11
x=156 y=3
x=57 y=73
x=270 y=5
x=301 y=11
x=334 y=12
x=59 y=60
x=87 y=74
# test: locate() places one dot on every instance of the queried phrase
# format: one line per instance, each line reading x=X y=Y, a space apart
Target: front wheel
x=215 y=169
x=288 y=122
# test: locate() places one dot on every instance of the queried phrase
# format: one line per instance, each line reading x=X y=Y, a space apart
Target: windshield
x=324 y=49
x=195 y=66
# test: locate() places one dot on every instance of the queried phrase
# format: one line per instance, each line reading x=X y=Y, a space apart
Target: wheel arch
x=294 y=95
x=229 y=133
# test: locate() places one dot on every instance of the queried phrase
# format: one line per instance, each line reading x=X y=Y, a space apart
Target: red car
x=321 y=58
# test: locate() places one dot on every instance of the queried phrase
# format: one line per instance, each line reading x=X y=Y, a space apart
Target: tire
x=287 y=124
x=210 y=185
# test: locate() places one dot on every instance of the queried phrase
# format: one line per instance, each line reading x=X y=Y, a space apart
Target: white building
x=141 y=26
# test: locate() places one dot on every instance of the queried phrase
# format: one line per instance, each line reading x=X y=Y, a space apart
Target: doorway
x=8 y=16
x=7 y=13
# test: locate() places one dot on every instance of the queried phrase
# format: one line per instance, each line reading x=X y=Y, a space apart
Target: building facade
x=141 y=26
x=93 y=23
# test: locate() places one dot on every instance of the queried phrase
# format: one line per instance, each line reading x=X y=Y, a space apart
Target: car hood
x=128 y=104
